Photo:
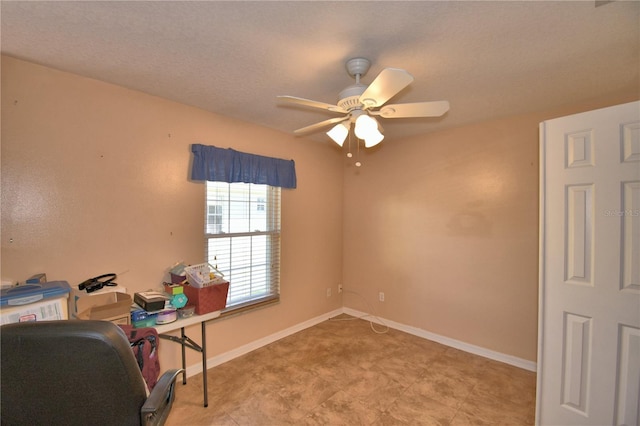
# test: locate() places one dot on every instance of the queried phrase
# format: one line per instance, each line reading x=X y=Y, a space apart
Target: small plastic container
x=166 y=316
x=186 y=312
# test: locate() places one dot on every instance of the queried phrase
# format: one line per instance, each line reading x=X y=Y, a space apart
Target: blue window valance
x=228 y=165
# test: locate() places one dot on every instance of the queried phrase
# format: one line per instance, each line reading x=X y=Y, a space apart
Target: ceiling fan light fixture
x=373 y=139
x=366 y=126
x=339 y=133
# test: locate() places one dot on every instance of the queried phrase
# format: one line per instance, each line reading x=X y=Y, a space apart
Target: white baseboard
x=256 y=344
x=192 y=370
x=457 y=344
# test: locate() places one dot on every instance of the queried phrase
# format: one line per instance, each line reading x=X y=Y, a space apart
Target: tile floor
x=340 y=372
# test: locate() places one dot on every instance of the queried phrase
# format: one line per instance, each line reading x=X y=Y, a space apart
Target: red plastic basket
x=208 y=299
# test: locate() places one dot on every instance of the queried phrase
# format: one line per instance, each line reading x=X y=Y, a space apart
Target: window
x=242 y=233
x=214 y=218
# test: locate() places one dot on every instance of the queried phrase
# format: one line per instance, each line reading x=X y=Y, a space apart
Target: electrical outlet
x=328 y=291
x=339 y=288
x=381 y=296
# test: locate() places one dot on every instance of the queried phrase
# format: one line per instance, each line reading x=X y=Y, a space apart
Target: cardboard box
x=116 y=307
x=208 y=299
x=80 y=300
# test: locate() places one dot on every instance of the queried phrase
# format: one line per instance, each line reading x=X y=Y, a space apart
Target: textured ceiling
x=488 y=59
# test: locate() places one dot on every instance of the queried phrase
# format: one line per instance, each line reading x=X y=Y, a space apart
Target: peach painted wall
x=446 y=225
x=95 y=180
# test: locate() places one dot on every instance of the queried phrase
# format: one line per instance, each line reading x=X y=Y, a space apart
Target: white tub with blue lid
x=35 y=302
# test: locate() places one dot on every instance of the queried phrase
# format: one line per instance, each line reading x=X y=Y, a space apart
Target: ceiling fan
x=360 y=104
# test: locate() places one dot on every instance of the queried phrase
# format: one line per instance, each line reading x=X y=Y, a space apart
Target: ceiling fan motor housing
x=349 y=98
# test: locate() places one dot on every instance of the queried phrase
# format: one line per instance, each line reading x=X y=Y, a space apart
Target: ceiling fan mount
x=359 y=103
x=357 y=67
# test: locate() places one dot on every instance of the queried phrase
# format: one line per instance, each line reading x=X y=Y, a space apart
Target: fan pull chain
x=349 y=154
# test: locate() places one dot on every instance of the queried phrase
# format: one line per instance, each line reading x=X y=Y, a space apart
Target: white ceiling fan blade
x=417 y=109
x=386 y=85
x=313 y=104
x=320 y=125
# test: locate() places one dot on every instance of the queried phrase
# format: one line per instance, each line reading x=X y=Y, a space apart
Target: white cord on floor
x=371 y=309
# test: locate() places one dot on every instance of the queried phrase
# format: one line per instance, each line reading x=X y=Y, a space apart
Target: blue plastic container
x=34 y=302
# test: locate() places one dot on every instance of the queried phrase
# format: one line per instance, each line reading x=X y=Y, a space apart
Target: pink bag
x=144 y=343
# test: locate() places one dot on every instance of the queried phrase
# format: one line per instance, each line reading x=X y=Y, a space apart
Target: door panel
x=630 y=241
x=589 y=344
x=628 y=380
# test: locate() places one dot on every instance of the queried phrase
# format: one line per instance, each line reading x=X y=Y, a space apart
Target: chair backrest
x=68 y=373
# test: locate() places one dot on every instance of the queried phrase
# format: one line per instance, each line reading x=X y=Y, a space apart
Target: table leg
x=185 y=341
x=184 y=362
x=204 y=364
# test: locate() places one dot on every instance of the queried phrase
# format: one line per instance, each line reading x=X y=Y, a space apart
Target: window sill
x=249 y=307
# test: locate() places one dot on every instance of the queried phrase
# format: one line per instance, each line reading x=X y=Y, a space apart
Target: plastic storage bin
x=35 y=302
x=203 y=275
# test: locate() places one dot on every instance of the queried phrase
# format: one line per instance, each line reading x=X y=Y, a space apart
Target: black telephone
x=95 y=283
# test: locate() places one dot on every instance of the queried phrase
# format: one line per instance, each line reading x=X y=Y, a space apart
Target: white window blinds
x=242 y=233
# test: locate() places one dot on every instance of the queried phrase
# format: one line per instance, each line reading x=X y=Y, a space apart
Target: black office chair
x=76 y=373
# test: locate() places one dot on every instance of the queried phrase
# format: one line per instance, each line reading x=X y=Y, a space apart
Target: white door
x=589 y=331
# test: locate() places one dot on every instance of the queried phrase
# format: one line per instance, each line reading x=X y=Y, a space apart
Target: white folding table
x=187 y=342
